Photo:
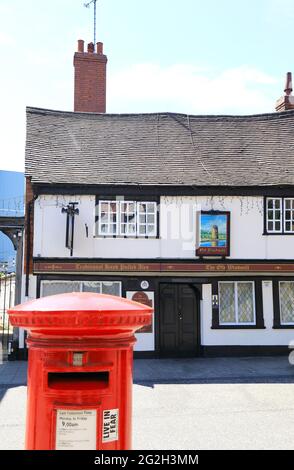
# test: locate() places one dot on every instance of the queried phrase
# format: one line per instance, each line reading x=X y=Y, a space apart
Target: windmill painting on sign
x=214 y=234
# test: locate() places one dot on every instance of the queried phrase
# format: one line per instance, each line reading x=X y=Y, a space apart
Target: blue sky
x=190 y=56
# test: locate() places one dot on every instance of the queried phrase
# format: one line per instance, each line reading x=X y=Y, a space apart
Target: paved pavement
x=223 y=403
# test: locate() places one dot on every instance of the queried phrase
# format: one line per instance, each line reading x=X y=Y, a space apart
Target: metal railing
x=7 y=297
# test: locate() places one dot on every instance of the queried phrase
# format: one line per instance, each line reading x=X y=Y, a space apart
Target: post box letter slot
x=78 y=380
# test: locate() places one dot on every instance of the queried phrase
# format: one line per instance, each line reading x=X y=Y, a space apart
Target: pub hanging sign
x=213 y=233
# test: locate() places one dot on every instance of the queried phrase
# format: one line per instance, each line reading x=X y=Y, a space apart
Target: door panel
x=178 y=320
x=168 y=312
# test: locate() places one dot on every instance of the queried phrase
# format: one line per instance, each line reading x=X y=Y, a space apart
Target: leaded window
x=236 y=303
x=62 y=287
x=59 y=287
x=286 y=294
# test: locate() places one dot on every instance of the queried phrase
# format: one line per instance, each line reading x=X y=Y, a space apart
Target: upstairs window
x=274 y=215
x=280 y=215
x=147 y=220
x=108 y=218
x=127 y=219
x=289 y=215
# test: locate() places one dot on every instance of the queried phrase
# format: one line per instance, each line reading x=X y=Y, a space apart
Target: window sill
x=280 y=234
x=118 y=237
x=283 y=327
x=238 y=327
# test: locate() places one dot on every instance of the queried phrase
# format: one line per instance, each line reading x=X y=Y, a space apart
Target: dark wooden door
x=179 y=332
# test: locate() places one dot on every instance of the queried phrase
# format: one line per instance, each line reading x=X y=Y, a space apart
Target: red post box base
x=80 y=370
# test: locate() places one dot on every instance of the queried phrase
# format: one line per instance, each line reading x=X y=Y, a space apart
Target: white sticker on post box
x=110 y=426
x=76 y=429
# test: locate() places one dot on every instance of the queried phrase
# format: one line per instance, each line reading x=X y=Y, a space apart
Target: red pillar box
x=80 y=370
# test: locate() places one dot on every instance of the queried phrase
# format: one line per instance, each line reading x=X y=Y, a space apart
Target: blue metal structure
x=11 y=205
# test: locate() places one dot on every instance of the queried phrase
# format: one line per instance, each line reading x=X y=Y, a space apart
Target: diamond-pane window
x=245 y=302
x=287 y=302
x=236 y=303
x=226 y=302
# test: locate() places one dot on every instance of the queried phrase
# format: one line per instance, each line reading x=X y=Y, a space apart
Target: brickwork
x=90 y=79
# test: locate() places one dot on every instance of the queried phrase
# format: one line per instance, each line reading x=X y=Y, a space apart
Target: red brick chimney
x=286 y=102
x=90 y=78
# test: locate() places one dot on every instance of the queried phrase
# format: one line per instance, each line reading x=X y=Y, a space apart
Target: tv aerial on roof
x=87 y=5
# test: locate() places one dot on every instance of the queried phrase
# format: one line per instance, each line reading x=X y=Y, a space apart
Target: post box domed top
x=80 y=310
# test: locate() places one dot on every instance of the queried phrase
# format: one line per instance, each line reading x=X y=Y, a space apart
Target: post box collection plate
x=76 y=429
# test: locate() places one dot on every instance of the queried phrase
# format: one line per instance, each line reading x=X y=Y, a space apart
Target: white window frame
x=281 y=322
x=128 y=233
x=100 y=222
x=81 y=284
x=237 y=322
x=291 y=199
x=145 y=224
x=274 y=220
x=119 y=221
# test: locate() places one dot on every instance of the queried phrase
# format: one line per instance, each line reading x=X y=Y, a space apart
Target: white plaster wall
x=50 y=227
x=178 y=230
x=146 y=341
x=32 y=288
x=264 y=337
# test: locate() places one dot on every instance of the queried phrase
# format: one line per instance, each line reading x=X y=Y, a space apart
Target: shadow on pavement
x=223 y=380
x=253 y=370
x=5 y=387
x=2 y=392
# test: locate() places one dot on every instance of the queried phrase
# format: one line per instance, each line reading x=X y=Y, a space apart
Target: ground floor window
x=62 y=287
x=286 y=297
x=236 y=303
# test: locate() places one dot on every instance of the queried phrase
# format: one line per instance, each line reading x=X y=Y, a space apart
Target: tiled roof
x=159 y=149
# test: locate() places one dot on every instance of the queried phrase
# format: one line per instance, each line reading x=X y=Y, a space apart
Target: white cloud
x=186 y=88
x=6 y=39
x=140 y=88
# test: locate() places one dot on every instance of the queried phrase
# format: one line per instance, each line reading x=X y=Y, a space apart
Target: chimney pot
x=100 y=48
x=91 y=48
x=286 y=102
x=81 y=45
x=288 y=87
